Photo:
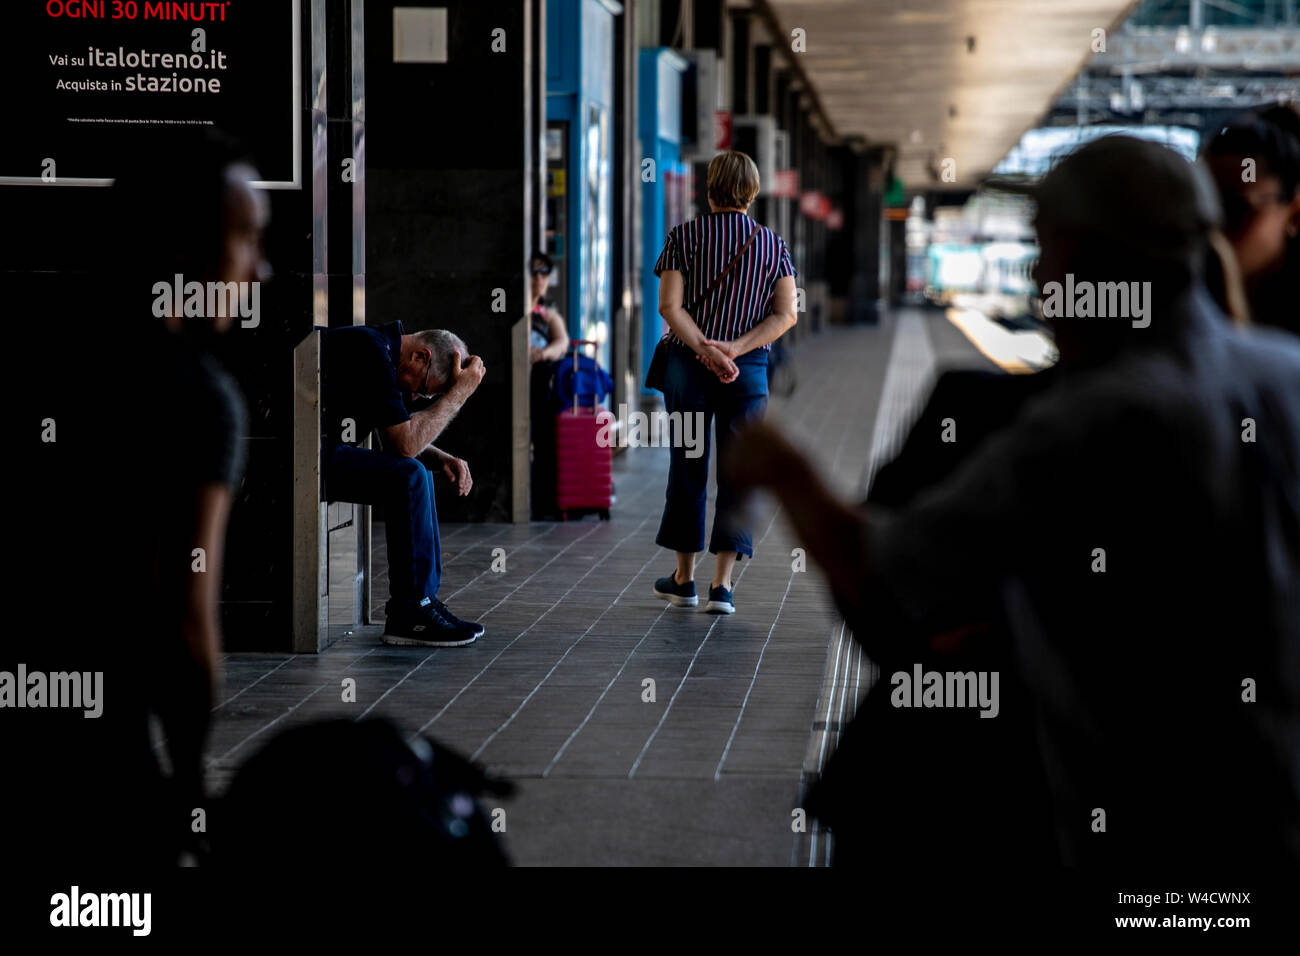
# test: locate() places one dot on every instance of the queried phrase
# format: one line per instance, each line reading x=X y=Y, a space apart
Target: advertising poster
x=95 y=85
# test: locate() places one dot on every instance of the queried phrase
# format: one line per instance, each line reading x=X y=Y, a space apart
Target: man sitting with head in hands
x=369 y=376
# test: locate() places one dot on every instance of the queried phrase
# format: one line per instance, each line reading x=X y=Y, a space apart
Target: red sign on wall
x=785 y=184
x=721 y=129
x=814 y=205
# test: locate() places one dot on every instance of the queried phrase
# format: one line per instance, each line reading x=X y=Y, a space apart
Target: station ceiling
x=904 y=72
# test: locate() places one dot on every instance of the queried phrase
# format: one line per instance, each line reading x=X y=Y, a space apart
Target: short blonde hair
x=733 y=180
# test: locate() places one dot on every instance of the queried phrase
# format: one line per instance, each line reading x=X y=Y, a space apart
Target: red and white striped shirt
x=700 y=250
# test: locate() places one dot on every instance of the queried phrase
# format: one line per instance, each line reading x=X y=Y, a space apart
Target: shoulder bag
x=654 y=376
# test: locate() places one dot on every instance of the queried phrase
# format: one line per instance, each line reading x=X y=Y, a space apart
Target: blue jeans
x=404 y=488
x=689 y=388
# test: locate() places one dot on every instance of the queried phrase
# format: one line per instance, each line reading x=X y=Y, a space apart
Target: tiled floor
x=745 y=708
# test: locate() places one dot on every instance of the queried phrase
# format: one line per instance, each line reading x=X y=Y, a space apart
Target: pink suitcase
x=584 y=471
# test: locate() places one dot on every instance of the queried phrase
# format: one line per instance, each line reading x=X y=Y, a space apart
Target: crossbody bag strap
x=730 y=265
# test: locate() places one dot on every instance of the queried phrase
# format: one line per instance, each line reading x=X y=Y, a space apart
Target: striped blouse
x=700 y=250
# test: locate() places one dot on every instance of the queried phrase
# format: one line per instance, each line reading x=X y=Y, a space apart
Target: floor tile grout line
x=489 y=568
x=214 y=761
x=552 y=560
x=287 y=660
x=265 y=727
x=508 y=527
x=717 y=774
x=475 y=544
x=682 y=683
x=612 y=681
x=511 y=644
x=524 y=703
x=396 y=685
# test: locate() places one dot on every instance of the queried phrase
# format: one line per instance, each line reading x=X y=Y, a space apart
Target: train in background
x=994 y=277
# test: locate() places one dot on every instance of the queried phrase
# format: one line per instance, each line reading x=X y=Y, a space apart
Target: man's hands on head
x=411 y=438
x=466 y=375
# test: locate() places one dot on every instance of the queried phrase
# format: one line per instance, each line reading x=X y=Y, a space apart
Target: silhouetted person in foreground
x=393 y=800
x=1139 y=524
x=154 y=450
x=182 y=393
x=929 y=810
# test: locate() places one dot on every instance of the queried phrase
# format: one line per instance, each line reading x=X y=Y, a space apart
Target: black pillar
x=447 y=202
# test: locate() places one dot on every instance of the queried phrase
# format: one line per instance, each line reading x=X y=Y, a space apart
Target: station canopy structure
x=943 y=79
x=965 y=80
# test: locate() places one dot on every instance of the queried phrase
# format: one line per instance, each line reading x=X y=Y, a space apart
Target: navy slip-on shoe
x=721 y=601
x=679 y=595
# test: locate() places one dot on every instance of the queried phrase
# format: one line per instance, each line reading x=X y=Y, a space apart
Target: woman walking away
x=726 y=291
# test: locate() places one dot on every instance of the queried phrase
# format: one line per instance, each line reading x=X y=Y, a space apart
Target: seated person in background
x=548 y=339
x=369 y=374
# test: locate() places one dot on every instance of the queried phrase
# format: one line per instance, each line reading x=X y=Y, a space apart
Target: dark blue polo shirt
x=359 y=381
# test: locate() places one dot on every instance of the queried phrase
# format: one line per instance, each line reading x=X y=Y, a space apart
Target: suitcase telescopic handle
x=575 y=343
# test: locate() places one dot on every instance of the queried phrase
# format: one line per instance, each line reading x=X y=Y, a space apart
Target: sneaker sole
x=676 y=600
x=480 y=632
x=717 y=607
x=401 y=641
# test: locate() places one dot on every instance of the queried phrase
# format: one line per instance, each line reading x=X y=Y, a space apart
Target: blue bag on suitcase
x=586 y=380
